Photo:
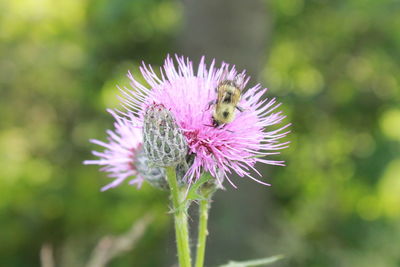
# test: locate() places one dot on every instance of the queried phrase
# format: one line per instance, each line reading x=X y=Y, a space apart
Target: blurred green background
x=333 y=64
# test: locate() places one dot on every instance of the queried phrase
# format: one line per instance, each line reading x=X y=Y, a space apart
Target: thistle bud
x=164 y=143
x=155 y=176
x=212 y=185
x=182 y=168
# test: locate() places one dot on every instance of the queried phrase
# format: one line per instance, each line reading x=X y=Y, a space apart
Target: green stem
x=180 y=217
x=202 y=234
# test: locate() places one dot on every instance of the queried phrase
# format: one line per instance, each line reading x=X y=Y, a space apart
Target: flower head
x=120 y=152
x=124 y=156
x=191 y=98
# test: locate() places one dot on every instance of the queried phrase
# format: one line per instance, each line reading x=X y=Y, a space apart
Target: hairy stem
x=180 y=206
x=203 y=232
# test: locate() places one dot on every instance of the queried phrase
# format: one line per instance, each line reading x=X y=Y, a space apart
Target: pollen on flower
x=184 y=94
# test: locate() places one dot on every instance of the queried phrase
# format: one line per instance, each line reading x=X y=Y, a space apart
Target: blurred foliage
x=60 y=61
x=334 y=64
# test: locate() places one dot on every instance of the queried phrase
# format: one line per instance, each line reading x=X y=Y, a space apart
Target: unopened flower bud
x=212 y=185
x=182 y=168
x=156 y=176
x=164 y=143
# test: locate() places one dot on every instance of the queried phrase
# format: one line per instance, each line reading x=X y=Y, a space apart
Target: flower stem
x=202 y=234
x=180 y=206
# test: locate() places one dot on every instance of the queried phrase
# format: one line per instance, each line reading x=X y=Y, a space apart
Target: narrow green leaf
x=251 y=263
x=193 y=191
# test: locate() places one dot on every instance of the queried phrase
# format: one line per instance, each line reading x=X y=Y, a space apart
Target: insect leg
x=222 y=127
x=240 y=108
x=213 y=102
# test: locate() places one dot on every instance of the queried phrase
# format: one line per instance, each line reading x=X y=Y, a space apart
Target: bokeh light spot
x=364 y=145
x=309 y=81
x=368 y=207
x=390 y=124
x=389 y=189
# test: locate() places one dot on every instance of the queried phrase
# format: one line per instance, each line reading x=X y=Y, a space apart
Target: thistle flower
x=123 y=156
x=234 y=147
x=164 y=143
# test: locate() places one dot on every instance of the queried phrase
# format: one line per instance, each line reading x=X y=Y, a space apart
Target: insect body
x=229 y=93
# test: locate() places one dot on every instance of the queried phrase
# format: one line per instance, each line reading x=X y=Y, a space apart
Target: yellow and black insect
x=229 y=93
